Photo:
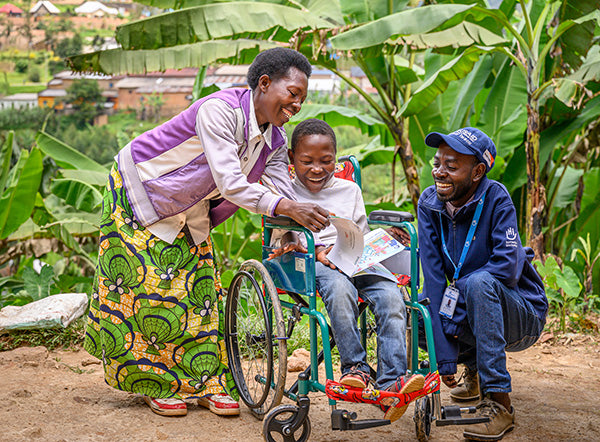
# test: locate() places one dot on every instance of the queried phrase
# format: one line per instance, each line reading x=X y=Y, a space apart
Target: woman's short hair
x=312 y=126
x=276 y=63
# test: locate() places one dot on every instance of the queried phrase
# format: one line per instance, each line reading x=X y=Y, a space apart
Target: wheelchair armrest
x=390 y=216
x=282 y=221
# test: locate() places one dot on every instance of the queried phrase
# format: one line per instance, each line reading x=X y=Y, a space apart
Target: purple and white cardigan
x=203 y=164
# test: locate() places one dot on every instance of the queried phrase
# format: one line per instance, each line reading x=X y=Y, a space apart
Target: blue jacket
x=496 y=249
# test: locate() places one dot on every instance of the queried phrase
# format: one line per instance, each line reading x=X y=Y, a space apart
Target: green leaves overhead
x=408 y=22
x=216 y=21
x=340 y=115
x=463 y=34
x=118 y=61
x=438 y=82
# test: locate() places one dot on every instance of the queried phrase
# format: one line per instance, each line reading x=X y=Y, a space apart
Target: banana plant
x=384 y=38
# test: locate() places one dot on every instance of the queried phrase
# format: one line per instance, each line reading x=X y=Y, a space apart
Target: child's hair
x=276 y=63
x=312 y=126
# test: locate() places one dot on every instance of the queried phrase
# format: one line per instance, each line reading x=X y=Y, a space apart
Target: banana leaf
x=463 y=34
x=65 y=156
x=408 y=22
x=17 y=201
x=438 y=82
x=77 y=194
x=252 y=20
x=118 y=61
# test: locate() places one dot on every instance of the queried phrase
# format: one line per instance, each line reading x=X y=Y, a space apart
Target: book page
x=378 y=246
x=348 y=246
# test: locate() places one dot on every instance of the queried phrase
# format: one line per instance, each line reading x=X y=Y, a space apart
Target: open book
x=354 y=252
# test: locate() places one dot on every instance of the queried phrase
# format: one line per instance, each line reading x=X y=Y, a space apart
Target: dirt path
x=60 y=396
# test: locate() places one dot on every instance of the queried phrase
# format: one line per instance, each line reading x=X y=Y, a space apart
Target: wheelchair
x=256 y=335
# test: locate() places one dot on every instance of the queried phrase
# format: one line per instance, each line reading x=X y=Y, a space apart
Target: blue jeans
x=499 y=320
x=340 y=295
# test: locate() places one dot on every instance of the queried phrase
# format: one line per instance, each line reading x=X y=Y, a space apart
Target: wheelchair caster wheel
x=423 y=418
x=286 y=421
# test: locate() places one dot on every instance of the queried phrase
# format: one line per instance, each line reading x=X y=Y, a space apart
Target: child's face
x=314 y=160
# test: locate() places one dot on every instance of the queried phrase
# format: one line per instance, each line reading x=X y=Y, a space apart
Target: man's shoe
x=501 y=422
x=355 y=378
x=221 y=404
x=469 y=389
x=404 y=384
x=167 y=407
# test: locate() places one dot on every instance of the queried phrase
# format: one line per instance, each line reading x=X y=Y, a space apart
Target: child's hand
x=400 y=234
x=321 y=252
x=449 y=380
x=289 y=247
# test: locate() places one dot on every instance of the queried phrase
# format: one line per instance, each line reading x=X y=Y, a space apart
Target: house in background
x=44 y=7
x=19 y=101
x=11 y=10
x=57 y=88
x=95 y=9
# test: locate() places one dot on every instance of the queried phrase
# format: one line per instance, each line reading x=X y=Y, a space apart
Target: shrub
x=21 y=66
x=34 y=75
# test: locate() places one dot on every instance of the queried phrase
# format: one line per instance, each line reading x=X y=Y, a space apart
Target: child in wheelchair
x=313 y=155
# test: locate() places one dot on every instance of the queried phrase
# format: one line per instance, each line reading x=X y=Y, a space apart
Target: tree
x=329 y=33
x=86 y=99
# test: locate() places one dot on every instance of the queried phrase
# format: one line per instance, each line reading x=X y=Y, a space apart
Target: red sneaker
x=167 y=406
x=355 y=378
x=404 y=384
x=221 y=404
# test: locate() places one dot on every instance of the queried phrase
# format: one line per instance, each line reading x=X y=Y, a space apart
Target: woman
x=155 y=317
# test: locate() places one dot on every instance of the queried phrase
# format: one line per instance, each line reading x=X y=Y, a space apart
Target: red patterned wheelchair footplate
x=339 y=392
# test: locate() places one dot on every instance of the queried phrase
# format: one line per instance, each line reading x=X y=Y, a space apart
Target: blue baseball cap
x=468 y=141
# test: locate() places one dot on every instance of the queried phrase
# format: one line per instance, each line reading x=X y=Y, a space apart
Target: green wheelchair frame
x=256 y=335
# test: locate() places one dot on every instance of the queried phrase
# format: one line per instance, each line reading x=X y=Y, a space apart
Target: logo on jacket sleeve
x=511 y=237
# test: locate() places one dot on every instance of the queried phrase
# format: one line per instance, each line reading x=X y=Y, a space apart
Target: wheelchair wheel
x=276 y=426
x=423 y=418
x=255 y=338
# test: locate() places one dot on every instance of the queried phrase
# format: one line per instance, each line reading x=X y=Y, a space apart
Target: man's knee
x=480 y=281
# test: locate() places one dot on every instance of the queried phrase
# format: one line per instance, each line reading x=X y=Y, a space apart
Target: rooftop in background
x=10 y=9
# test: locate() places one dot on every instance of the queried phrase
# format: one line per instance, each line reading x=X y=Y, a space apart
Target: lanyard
x=470 y=236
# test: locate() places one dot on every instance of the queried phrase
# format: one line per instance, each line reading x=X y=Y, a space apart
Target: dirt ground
x=61 y=396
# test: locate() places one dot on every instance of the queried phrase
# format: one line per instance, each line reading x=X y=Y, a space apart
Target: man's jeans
x=499 y=319
x=340 y=295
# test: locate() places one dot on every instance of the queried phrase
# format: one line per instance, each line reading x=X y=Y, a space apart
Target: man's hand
x=449 y=380
x=312 y=216
x=400 y=234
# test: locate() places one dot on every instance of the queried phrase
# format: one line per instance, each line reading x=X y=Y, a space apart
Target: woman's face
x=276 y=101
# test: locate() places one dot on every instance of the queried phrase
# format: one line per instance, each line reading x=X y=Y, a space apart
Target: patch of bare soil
x=61 y=396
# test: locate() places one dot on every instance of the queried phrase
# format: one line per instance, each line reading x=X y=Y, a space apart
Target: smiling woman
x=155 y=312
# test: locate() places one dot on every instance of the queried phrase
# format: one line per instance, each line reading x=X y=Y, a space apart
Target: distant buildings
x=137 y=92
x=11 y=10
x=44 y=7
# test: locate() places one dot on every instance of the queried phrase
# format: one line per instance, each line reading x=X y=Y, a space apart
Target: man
x=485 y=295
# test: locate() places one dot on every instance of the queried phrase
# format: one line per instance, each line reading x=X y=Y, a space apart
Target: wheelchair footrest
x=452 y=415
x=383 y=398
x=344 y=420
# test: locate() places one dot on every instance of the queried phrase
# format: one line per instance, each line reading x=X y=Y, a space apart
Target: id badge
x=449 y=302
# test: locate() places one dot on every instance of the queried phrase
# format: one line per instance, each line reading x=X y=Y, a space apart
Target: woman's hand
x=400 y=234
x=312 y=216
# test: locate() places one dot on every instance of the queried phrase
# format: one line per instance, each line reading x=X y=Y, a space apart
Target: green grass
x=28 y=88
x=70 y=337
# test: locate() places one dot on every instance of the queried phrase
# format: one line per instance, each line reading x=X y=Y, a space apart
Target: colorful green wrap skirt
x=155 y=318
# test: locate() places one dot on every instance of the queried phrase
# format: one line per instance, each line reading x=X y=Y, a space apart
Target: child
x=313 y=155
